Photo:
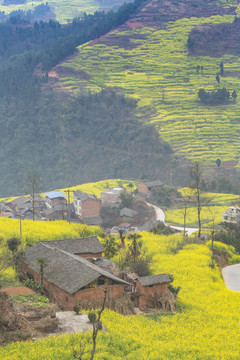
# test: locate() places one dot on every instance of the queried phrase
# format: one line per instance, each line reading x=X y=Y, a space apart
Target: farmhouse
x=149 y=186
x=70 y=279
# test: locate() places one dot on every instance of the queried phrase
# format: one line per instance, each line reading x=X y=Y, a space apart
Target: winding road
x=160 y=216
x=231 y=276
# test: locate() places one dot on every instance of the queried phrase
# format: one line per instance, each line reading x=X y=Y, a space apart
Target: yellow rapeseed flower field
x=206 y=325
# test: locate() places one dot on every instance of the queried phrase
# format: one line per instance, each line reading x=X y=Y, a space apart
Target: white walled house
x=232 y=215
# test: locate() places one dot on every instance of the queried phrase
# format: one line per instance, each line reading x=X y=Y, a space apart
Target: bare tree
x=122 y=237
x=135 y=247
x=200 y=200
x=213 y=216
x=187 y=196
x=33 y=183
x=97 y=325
x=43 y=263
x=196 y=174
x=81 y=351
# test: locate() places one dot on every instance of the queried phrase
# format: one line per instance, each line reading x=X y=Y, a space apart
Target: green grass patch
x=30 y=300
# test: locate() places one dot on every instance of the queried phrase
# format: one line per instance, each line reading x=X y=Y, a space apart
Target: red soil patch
x=17 y=290
x=133 y=24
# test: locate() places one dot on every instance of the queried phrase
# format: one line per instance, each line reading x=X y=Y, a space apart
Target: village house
x=68 y=278
x=6 y=211
x=58 y=212
x=147 y=187
x=21 y=203
x=74 y=271
x=54 y=198
x=111 y=197
x=232 y=215
x=87 y=207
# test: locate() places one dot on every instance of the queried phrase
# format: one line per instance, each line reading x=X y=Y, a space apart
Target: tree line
x=23 y=45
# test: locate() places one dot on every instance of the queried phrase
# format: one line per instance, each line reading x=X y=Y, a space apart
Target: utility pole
x=68 y=201
x=21 y=228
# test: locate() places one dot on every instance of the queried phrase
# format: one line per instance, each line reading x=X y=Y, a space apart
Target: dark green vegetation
x=229 y=234
x=220 y=96
x=92 y=137
x=75 y=140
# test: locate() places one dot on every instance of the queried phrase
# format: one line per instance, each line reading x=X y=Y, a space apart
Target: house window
x=66 y=299
x=150 y=285
x=100 y=281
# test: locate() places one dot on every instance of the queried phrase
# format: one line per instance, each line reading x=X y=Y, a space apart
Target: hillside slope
x=147 y=58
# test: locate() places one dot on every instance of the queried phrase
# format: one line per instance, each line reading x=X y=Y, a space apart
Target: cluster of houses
x=52 y=206
x=75 y=272
x=85 y=208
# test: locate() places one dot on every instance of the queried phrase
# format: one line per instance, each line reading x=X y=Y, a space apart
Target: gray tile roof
x=67 y=271
x=128 y=212
x=151 y=184
x=22 y=202
x=154 y=279
x=83 y=196
x=5 y=208
x=85 y=245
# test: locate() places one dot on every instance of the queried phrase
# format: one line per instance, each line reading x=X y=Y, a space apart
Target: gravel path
x=70 y=322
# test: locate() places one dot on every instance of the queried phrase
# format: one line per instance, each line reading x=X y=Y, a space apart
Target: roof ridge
x=89 y=264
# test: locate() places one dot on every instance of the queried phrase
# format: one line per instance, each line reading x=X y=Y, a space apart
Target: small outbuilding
x=153 y=289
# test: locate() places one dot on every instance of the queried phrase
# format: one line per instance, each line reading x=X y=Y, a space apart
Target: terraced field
x=152 y=65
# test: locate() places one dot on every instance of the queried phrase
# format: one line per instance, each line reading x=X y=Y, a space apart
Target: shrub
x=76 y=308
x=92 y=317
